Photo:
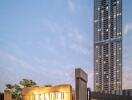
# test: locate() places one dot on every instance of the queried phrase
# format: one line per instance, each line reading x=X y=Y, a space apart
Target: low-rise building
x=59 y=92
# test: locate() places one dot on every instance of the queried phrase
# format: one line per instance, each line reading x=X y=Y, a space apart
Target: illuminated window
x=95 y=21
x=96 y=60
x=36 y=97
x=118 y=14
x=59 y=95
x=51 y=95
x=47 y=96
x=107 y=76
x=107 y=55
x=107 y=30
x=41 y=97
x=107 y=8
x=62 y=95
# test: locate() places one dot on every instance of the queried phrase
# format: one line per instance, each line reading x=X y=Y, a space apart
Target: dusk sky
x=45 y=40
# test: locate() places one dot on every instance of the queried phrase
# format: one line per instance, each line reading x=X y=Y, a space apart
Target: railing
x=104 y=96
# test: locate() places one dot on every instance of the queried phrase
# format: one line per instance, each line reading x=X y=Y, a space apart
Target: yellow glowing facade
x=59 y=92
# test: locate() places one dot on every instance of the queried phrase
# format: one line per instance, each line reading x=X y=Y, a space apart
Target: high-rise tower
x=107 y=45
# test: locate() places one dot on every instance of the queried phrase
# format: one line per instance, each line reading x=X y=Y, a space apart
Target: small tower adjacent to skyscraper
x=107 y=45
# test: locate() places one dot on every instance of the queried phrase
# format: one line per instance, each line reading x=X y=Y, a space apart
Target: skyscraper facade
x=107 y=45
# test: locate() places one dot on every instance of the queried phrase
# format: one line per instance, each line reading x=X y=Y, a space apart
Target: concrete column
x=7 y=95
x=81 y=79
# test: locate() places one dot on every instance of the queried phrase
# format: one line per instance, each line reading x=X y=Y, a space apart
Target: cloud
x=54 y=27
x=90 y=79
x=71 y=4
x=12 y=59
x=79 y=49
x=127 y=79
x=14 y=65
x=15 y=69
x=78 y=41
x=127 y=57
x=127 y=28
x=63 y=41
x=69 y=36
x=12 y=69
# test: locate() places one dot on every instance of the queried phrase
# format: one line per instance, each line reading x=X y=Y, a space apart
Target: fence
x=103 y=96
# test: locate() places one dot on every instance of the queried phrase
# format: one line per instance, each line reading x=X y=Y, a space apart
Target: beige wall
x=7 y=95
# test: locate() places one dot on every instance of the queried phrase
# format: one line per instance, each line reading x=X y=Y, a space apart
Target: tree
x=48 y=85
x=16 y=89
x=27 y=83
x=98 y=88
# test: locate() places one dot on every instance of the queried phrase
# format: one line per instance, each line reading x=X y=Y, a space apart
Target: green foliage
x=16 y=89
x=27 y=83
x=48 y=85
x=98 y=88
x=9 y=86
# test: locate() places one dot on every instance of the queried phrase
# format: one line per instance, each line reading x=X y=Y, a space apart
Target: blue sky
x=45 y=40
